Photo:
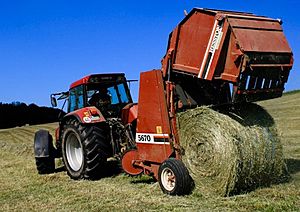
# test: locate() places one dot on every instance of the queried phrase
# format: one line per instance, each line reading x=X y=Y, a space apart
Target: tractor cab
x=107 y=92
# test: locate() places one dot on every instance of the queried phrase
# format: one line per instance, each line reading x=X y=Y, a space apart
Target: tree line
x=18 y=114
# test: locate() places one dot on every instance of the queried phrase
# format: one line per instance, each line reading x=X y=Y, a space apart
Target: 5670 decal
x=141 y=137
x=152 y=138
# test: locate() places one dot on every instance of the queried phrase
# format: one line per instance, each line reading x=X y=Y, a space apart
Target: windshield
x=108 y=96
x=116 y=94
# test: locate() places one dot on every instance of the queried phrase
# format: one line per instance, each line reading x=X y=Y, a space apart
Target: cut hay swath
x=232 y=150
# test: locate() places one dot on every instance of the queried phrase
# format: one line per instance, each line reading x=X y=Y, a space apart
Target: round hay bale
x=232 y=150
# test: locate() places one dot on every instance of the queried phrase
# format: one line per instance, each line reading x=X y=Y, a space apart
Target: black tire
x=86 y=159
x=45 y=165
x=174 y=178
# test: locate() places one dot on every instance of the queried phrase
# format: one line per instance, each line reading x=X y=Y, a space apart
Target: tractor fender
x=87 y=115
x=43 y=145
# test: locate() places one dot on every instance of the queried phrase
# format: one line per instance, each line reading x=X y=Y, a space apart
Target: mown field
x=22 y=189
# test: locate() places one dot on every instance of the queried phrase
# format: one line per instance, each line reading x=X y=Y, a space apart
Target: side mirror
x=53 y=101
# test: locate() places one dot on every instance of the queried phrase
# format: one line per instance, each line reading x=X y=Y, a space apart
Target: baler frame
x=209 y=61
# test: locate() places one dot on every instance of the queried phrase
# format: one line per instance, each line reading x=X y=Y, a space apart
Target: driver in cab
x=101 y=99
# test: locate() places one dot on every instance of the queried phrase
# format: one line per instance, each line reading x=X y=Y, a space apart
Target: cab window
x=123 y=94
x=117 y=93
x=76 y=98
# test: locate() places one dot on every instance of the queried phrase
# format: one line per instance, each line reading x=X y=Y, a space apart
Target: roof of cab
x=85 y=79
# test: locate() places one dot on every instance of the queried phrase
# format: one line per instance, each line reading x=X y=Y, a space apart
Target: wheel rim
x=74 y=152
x=168 y=179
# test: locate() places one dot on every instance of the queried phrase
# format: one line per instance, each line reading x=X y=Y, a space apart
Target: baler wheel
x=85 y=149
x=174 y=178
x=45 y=165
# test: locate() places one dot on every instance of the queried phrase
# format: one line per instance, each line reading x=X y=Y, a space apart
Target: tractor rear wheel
x=174 y=178
x=85 y=149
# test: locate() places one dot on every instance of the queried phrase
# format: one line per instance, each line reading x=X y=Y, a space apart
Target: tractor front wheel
x=85 y=149
x=44 y=152
x=174 y=178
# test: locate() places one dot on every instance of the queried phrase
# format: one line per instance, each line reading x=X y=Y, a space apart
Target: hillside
x=23 y=189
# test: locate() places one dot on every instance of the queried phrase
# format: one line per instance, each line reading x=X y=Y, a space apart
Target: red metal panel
x=231 y=69
x=262 y=40
x=194 y=36
x=153 y=118
x=170 y=54
x=152 y=104
x=154 y=152
x=257 y=24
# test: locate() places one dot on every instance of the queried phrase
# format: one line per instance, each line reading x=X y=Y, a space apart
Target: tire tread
x=96 y=149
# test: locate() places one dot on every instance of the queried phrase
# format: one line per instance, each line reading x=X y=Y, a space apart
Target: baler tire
x=174 y=178
x=91 y=148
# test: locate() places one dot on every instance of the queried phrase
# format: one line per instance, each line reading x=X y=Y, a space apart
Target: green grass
x=22 y=189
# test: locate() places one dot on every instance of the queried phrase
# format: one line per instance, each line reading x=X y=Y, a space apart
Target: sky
x=46 y=45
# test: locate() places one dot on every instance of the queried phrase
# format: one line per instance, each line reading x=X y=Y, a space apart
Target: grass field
x=22 y=189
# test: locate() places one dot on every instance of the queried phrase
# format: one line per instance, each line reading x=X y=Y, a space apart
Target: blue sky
x=46 y=45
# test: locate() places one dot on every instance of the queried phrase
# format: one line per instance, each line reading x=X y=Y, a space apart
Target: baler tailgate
x=267 y=58
x=259 y=35
x=248 y=51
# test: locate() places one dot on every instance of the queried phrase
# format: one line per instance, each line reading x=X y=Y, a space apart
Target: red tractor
x=213 y=57
x=100 y=124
